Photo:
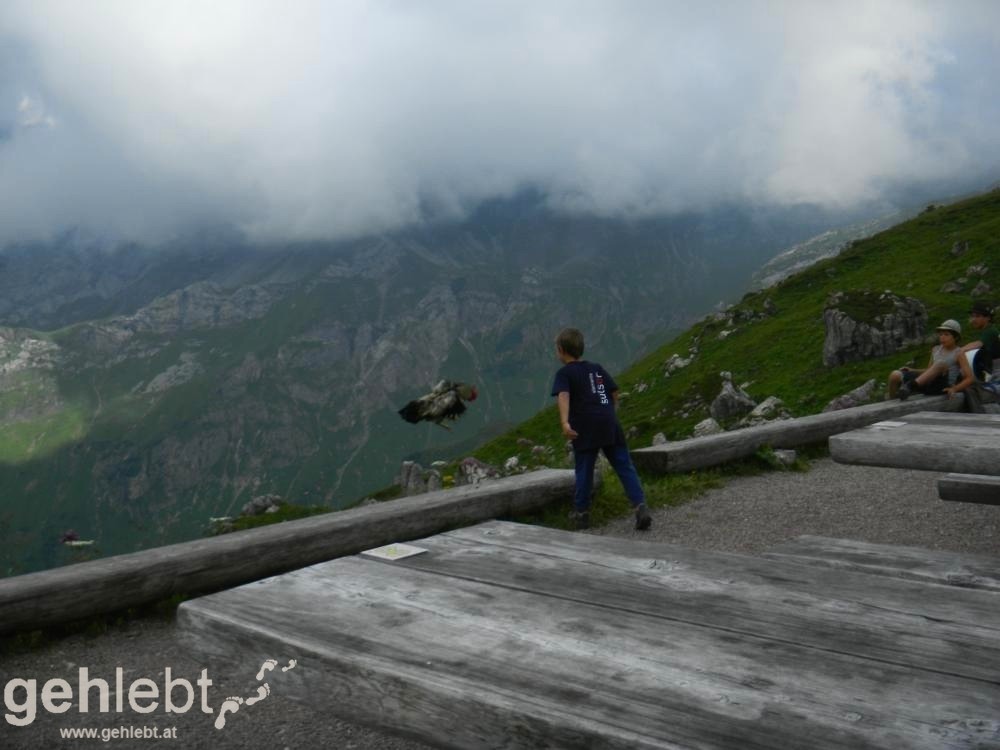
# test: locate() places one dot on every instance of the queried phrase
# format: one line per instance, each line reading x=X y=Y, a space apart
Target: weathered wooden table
x=967 y=444
x=511 y=636
x=932 y=441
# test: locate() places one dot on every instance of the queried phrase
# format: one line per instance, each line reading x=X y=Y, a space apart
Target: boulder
x=769 y=409
x=411 y=478
x=892 y=323
x=981 y=289
x=860 y=395
x=707 y=427
x=675 y=363
x=660 y=439
x=261 y=504
x=216 y=525
x=785 y=456
x=473 y=471
x=433 y=479
x=731 y=402
x=960 y=248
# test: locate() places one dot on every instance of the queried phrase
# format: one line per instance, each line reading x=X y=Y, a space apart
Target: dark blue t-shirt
x=591 y=408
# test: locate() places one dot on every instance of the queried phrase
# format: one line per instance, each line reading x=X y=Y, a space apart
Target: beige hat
x=951 y=325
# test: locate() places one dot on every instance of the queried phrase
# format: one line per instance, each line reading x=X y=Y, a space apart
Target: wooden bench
x=914 y=563
x=504 y=635
x=970 y=488
x=928 y=441
x=713 y=450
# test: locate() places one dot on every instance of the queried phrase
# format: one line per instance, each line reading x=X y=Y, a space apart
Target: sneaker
x=580 y=520
x=642 y=518
x=904 y=392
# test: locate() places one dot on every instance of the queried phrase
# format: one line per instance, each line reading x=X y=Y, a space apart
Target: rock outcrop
x=891 y=323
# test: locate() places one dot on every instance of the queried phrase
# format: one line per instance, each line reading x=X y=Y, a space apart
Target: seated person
x=942 y=369
x=985 y=341
x=980 y=381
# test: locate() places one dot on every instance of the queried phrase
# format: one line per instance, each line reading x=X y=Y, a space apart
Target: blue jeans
x=620 y=460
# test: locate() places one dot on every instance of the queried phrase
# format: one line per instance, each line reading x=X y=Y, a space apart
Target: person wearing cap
x=987 y=342
x=978 y=383
x=942 y=369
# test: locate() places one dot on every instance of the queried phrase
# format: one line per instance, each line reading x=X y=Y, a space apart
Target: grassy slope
x=781 y=355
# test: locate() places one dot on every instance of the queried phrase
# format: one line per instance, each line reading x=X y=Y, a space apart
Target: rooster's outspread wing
x=443 y=402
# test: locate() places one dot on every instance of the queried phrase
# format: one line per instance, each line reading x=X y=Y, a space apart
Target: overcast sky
x=297 y=119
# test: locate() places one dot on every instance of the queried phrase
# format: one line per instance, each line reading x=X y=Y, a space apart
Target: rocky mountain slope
x=164 y=388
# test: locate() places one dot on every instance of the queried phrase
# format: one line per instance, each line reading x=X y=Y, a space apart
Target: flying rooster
x=445 y=401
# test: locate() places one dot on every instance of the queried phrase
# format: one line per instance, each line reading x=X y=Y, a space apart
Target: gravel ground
x=883 y=506
x=748 y=515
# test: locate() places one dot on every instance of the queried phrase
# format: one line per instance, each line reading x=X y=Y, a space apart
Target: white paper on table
x=394 y=551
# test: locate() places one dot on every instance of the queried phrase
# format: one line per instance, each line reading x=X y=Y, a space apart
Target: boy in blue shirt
x=587 y=399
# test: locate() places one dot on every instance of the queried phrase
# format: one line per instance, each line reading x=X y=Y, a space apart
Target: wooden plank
x=87 y=589
x=969 y=488
x=913 y=563
x=954 y=419
x=975 y=431
x=957 y=632
x=898 y=430
x=970 y=450
x=712 y=450
x=460 y=663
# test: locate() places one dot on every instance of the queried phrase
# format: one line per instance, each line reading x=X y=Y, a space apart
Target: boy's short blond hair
x=570 y=340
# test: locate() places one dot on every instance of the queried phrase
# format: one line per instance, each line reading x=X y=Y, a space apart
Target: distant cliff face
x=280 y=371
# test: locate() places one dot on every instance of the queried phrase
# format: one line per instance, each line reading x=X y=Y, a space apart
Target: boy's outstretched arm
x=567 y=430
